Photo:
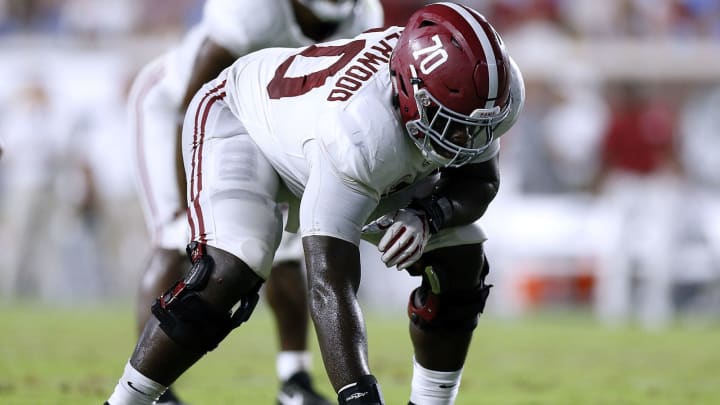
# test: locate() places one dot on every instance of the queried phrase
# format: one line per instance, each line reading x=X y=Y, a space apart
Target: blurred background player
x=160 y=95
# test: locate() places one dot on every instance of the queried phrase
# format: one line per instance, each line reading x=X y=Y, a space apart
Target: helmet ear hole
x=455 y=43
x=401 y=81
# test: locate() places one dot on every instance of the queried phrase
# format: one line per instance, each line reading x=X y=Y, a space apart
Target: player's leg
x=152 y=120
x=235 y=225
x=164 y=268
x=443 y=313
x=189 y=320
x=286 y=293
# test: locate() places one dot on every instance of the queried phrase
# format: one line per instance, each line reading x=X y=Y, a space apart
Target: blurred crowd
x=689 y=19
x=611 y=175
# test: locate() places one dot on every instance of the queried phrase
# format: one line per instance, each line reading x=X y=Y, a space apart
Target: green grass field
x=56 y=356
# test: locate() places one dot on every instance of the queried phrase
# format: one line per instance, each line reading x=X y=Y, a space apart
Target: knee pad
x=188 y=319
x=448 y=311
x=451 y=310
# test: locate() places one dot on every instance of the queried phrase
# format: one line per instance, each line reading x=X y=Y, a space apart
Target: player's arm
x=210 y=61
x=463 y=194
x=331 y=215
x=460 y=197
x=333 y=267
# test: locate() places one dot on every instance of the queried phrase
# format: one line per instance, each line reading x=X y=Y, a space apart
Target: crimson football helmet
x=451 y=74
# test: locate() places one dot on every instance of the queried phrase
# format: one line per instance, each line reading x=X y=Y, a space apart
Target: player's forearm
x=469 y=205
x=333 y=269
x=462 y=195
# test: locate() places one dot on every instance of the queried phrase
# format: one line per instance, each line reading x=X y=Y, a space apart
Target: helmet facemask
x=434 y=132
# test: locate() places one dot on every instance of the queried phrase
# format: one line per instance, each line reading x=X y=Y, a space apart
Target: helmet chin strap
x=328 y=11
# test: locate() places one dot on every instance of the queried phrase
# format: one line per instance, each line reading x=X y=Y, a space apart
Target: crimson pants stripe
x=201 y=115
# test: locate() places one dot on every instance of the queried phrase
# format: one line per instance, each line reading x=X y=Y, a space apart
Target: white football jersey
x=338 y=94
x=244 y=26
x=323 y=119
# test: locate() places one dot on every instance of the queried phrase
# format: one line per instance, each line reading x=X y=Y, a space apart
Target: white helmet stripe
x=487 y=49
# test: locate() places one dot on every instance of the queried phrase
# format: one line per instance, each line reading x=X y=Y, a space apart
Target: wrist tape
x=437 y=209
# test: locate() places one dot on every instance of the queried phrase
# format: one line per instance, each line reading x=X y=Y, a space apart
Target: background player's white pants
x=153 y=120
x=153 y=123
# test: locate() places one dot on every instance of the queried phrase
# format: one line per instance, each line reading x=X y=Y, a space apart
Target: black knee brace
x=449 y=310
x=188 y=319
x=365 y=391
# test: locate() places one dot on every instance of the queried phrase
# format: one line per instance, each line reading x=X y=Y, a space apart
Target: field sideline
x=56 y=356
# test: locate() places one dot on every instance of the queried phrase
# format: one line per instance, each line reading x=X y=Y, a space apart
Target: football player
x=401 y=125
x=160 y=95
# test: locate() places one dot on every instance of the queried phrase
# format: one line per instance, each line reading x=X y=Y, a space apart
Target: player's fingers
x=412 y=258
x=391 y=236
x=378 y=225
x=400 y=251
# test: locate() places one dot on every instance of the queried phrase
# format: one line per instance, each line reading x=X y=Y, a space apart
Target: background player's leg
x=286 y=293
x=153 y=120
x=164 y=268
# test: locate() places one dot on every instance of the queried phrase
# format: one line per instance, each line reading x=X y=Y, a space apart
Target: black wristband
x=437 y=209
x=365 y=391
